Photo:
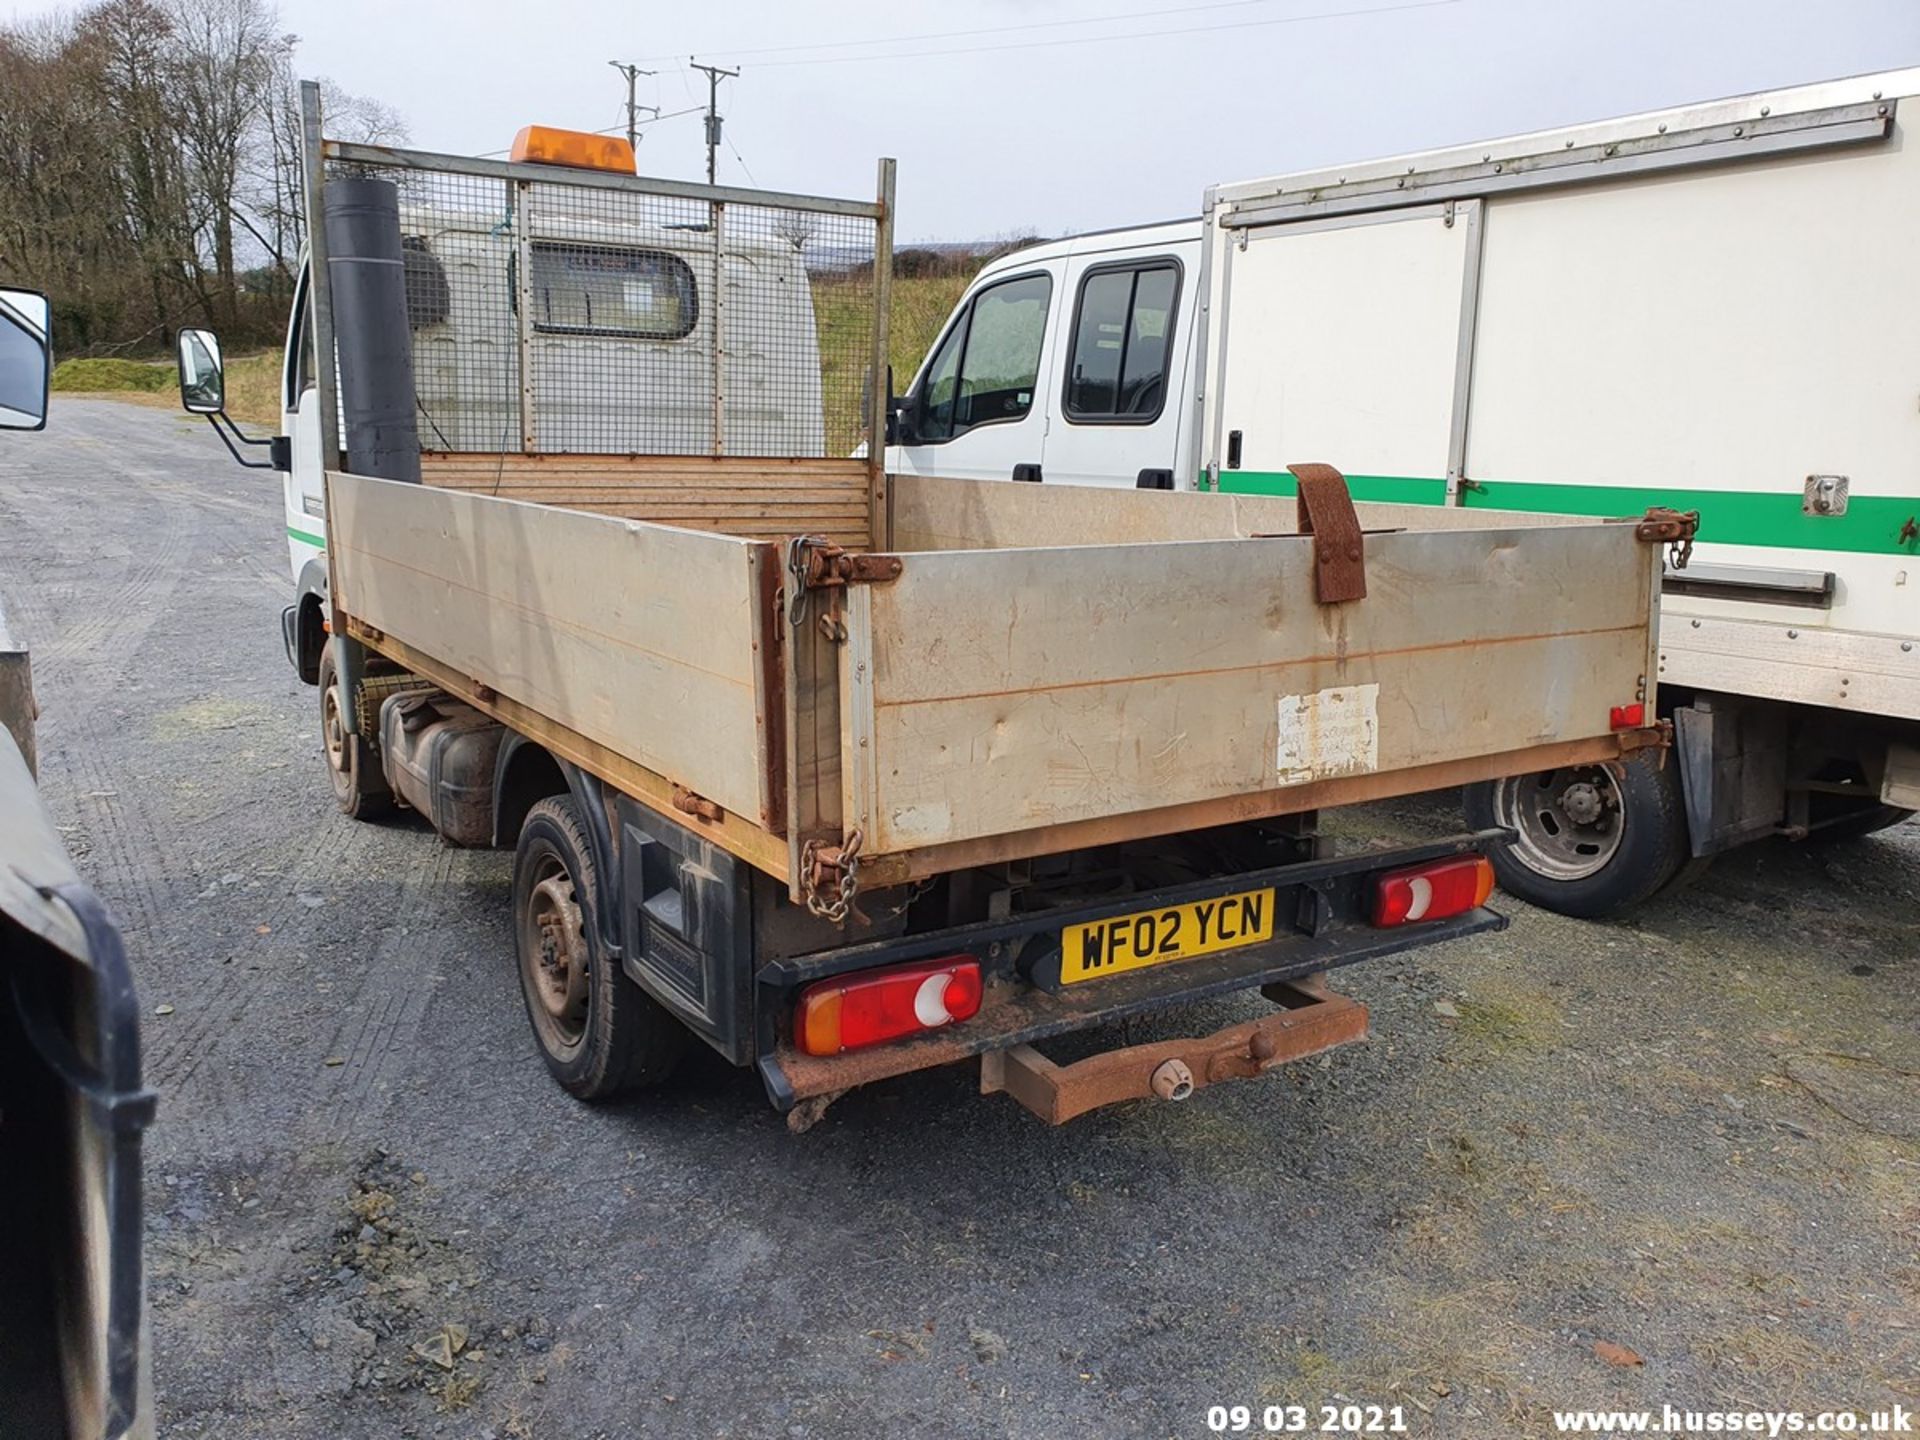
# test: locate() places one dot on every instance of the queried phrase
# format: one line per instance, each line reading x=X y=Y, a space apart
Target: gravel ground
x=1696 y=1136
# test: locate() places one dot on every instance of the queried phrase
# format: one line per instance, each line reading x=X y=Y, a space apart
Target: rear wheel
x=1591 y=842
x=353 y=763
x=1867 y=820
x=599 y=1032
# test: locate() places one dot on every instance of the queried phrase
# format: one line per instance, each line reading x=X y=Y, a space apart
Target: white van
x=1710 y=308
x=1069 y=362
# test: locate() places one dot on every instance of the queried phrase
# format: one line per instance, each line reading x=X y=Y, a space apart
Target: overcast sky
x=1040 y=118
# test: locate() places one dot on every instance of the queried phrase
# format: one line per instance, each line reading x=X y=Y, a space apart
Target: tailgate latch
x=1675 y=528
x=1326 y=513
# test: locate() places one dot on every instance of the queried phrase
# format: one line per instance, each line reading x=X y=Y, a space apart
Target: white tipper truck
x=844 y=773
x=1713 y=308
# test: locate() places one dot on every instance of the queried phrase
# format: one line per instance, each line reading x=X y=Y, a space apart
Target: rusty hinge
x=1677 y=528
x=820 y=563
x=1326 y=513
x=698 y=806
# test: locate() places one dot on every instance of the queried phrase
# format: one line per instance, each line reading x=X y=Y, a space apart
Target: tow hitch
x=1312 y=1019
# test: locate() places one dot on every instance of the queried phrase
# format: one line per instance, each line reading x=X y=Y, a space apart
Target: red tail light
x=850 y=1011
x=1628 y=717
x=1433 y=891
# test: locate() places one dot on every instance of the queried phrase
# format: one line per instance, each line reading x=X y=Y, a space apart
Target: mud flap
x=1733 y=772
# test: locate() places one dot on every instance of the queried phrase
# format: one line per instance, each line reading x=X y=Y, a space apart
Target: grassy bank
x=253 y=384
x=842 y=312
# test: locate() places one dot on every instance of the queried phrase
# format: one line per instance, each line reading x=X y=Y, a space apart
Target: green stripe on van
x=1389 y=489
x=319 y=542
x=1873 y=524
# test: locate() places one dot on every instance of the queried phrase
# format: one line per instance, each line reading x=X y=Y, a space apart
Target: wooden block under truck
x=850 y=774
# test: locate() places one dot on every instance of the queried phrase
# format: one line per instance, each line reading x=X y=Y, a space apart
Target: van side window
x=1122 y=333
x=986 y=368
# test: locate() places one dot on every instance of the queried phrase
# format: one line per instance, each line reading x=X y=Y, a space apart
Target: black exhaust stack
x=368 y=274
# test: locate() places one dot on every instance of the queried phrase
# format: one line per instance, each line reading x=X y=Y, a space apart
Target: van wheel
x=353 y=765
x=1867 y=820
x=1592 y=843
x=599 y=1032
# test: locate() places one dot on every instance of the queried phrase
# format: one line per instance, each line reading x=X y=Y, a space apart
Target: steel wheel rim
x=333 y=733
x=554 y=957
x=1570 y=821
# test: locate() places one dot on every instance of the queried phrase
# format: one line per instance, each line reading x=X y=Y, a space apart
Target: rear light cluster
x=1433 y=891
x=1627 y=717
x=871 y=1007
x=850 y=1011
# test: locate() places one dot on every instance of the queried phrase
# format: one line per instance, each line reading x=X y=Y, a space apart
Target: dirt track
x=1696 y=1136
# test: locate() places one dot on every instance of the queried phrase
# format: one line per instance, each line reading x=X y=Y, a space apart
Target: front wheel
x=1593 y=840
x=599 y=1032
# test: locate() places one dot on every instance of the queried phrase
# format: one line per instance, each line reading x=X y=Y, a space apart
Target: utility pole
x=632 y=72
x=714 y=75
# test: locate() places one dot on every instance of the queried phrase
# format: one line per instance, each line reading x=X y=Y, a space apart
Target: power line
x=1060 y=24
x=616 y=129
x=999 y=29
x=713 y=74
x=1108 y=39
x=633 y=72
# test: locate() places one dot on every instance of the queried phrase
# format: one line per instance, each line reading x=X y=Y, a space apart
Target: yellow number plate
x=1154 y=937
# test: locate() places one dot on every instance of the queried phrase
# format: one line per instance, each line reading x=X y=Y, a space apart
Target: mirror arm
x=244 y=439
x=215 y=417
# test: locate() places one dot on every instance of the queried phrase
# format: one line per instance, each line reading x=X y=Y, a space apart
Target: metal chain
x=836 y=910
x=1681 y=551
x=797 y=568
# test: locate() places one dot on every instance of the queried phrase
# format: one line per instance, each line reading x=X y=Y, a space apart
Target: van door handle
x=1027 y=472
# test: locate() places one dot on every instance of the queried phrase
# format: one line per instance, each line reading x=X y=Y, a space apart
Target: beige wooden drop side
x=1044 y=668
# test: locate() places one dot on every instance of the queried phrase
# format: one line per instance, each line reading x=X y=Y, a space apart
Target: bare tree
x=150 y=166
x=222 y=64
x=274 y=193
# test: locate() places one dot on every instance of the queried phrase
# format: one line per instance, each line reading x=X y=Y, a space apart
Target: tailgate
x=1086 y=693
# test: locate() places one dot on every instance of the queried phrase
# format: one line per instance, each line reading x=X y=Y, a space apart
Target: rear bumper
x=1321 y=907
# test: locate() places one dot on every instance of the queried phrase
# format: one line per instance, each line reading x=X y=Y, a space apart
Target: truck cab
x=1066 y=362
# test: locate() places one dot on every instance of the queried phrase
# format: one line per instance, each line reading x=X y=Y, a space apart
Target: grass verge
x=253 y=384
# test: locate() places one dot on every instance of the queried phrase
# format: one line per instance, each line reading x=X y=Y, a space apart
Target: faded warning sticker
x=1331 y=732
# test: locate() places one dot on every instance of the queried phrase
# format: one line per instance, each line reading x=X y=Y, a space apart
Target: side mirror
x=900 y=427
x=26 y=359
x=203 y=380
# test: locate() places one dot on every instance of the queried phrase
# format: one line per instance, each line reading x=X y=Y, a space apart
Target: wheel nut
x=1172 y=1080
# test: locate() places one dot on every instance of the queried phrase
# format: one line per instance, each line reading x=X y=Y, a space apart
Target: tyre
x=353 y=764
x=1592 y=843
x=599 y=1033
x=1867 y=820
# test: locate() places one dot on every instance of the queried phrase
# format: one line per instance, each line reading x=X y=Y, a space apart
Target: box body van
x=1710 y=308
